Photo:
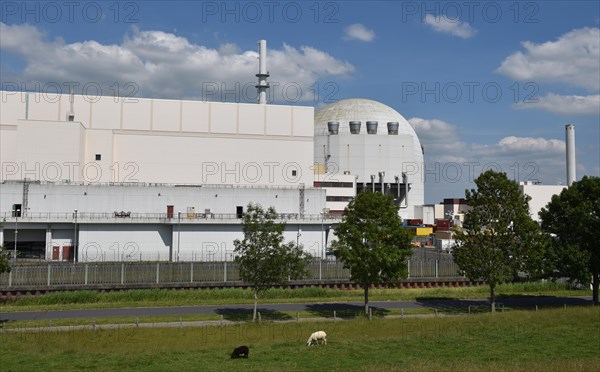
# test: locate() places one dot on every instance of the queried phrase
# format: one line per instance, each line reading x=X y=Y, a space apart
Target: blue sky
x=484 y=84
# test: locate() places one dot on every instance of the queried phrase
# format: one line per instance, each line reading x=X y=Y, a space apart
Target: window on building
x=98 y=156
x=16 y=210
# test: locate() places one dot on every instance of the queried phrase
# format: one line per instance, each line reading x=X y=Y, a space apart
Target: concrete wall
x=540 y=196
x=50 y=150
x=153 y=140
x=425 y=213
x=132 y=242
x=95 y=198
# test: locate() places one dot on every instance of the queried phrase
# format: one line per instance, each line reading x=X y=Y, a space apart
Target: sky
x=485 y=84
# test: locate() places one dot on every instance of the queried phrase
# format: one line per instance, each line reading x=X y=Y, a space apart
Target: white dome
x=363 y=110
x=385 y=158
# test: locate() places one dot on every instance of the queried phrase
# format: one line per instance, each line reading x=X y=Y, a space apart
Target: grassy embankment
x=147 y=298
x=545 y=340
x=165 y=297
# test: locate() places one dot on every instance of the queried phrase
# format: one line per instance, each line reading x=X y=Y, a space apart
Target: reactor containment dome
x=375 y=144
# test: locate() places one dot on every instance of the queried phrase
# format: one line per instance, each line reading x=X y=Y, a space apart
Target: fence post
x=86 y=274
x=191 y=272
x=157 y=272
x=408 y=264
x=225 y=271
x=49 y=270
x=122 y=273
x=436 y=268
x=10 y=278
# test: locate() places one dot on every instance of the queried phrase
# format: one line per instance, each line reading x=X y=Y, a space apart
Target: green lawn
x=545 y=340
x=165 y=297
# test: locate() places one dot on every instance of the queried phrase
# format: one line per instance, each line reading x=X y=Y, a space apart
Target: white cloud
x=229 y=49
x=573 y=59
x=165 y=65
x=565 y=105
x=513 y=147
x=450 y=26
x=438 y=137
x=359 y=32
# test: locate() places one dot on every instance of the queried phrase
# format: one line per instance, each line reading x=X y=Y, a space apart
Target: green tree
x=573 y=219
x=372 y=243
x=498 y=240
x=4 y=260
x=264 y=259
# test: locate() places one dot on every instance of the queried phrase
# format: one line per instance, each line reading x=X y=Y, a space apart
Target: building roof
x=362 y=110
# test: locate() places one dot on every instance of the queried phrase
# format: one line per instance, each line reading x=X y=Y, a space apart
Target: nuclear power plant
x=115 y=179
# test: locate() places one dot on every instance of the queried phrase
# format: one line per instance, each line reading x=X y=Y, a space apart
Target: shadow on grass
x=237 y=314
x=446 y=305
x=346 y=311
x=521 y=302
x=530 y=302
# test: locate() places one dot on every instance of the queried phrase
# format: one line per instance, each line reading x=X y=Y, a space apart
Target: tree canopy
x=4 y=260
x=498 y=240
x=263 y=257
x=573 y=219
x=371 y=242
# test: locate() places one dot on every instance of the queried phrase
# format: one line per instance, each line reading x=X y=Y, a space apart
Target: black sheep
x=239 y=352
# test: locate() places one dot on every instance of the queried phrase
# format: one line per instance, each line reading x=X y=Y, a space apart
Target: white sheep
x=316 y=337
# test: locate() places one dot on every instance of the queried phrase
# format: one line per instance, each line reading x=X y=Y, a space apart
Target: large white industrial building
x=166 y=180
x=96 y=178
x=106 y=178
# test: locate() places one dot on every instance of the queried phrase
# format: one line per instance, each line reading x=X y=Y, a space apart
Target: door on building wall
x=55 y=253
x=169 y=211
x=239 y=211
x=67 y=253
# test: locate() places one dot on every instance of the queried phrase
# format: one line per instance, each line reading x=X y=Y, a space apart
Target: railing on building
x=125 y=216
x=157 y=273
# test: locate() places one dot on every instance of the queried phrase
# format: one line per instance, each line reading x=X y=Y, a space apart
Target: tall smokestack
x=262 y=75
x=570 y=140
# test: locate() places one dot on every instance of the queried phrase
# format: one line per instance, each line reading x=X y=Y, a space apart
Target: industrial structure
x=96 y=178
x=373 y=144
x=540 y=194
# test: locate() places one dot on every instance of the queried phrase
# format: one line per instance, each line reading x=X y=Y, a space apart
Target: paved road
x=316 y=308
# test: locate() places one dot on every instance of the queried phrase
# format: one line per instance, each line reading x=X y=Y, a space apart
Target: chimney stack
x=570 y=141
x=262 y=75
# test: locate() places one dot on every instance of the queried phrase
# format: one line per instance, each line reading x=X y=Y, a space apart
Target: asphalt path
x=316 y=308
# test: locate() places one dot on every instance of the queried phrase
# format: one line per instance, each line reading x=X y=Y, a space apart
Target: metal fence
x=157 y=273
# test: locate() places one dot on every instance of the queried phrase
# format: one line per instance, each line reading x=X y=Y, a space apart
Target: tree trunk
x=255 y=305
x=595 y=284
x=492 y=298
x=366 y=300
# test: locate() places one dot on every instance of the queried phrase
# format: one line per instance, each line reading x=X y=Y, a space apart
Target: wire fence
x=157 y=273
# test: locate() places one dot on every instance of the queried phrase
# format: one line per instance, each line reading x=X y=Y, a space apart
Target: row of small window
x=339 y=198
x=333 y=184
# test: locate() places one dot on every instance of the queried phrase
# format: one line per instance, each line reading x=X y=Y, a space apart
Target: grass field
x=545 y=340
x=165 y=297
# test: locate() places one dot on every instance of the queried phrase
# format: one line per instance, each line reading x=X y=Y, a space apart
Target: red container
x=414 y=222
